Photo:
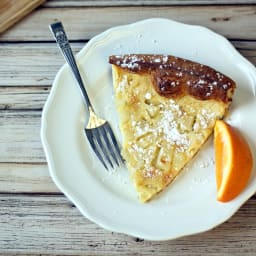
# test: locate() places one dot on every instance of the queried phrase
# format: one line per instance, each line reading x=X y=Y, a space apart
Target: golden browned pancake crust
x=173 y=76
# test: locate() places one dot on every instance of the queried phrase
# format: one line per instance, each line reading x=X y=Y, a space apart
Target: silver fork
x=97 y=130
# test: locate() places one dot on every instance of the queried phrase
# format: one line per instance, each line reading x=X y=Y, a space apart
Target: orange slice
x=233 y=159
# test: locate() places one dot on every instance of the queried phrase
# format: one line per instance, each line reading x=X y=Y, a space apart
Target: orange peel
x=233 y=160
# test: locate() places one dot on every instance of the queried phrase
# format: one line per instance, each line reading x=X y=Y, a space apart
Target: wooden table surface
x=35 y=217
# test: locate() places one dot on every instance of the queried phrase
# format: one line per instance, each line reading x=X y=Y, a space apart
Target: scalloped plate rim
x=50 y=160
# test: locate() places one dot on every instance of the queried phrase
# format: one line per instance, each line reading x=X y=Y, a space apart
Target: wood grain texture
x=37 y=224
x=23 y=97
x=20 y=137
x=32 y=64
x=12 y=11
x=26 y=178
x=72 y=3
x=35 y=217
x=233 y=21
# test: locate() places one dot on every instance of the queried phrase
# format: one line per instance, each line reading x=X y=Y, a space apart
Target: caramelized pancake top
x=174 y=77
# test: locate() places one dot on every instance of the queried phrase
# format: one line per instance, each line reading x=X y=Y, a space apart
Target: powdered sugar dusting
x=204 y=119
x=169 y=127
x=148 y=95
x=130 y=62
x=122 y=84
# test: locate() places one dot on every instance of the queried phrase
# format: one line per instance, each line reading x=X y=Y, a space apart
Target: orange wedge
x=233 y=159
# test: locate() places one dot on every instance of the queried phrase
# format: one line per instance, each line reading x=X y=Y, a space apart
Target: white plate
x=189 y=205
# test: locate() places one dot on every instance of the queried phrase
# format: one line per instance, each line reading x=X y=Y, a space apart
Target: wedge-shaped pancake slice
x=167 y=107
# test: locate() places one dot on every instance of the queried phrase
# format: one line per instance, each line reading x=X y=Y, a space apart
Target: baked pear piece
x=167 y=108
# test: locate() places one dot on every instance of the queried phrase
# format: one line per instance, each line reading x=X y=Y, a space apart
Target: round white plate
x=189 y=204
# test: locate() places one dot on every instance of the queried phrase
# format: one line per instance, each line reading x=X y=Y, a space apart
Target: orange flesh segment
x=233 y=159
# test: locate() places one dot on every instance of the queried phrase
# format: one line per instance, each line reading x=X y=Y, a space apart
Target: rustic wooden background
x=35 y=217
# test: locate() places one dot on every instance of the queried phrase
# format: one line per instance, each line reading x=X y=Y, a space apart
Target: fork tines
x=105 y=146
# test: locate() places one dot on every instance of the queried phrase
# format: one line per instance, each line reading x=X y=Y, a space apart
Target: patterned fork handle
x=63 y=43
x=98 y=130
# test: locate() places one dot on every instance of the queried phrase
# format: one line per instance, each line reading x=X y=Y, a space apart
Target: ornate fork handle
x=63 y=43
x=98 y=131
